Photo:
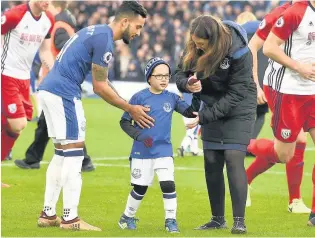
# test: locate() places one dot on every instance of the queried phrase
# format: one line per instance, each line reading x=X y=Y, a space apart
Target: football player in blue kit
x=152 y=149
x=90 y=49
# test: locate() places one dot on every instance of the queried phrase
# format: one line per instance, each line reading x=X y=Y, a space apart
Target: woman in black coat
x=217 y=68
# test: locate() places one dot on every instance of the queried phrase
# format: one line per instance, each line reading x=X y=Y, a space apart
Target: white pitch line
x=127 y=157
x=189 y=168
x=111 y=158
x=176 y=167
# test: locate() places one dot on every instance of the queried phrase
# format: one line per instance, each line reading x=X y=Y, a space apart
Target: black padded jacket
x=229 y=96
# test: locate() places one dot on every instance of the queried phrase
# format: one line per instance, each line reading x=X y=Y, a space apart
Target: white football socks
x=133 y=203
x=53 y=183
x=170 y=205
x=72 y=182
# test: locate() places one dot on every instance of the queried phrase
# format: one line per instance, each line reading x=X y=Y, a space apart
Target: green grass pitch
x=105 y=191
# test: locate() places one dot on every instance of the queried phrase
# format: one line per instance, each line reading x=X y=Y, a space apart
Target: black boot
x=216 y=222
x=87 y=166
x=180 y=152
x=311 y=221
x=24 y=165
x=239 y=226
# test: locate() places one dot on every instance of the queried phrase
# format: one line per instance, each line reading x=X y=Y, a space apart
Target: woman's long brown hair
x=219 y=38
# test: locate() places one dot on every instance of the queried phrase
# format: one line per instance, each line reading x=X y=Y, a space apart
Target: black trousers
x=214 y=161
x=35 y=151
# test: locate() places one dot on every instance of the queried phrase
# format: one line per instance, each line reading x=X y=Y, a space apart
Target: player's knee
x=301 y=138
x=17 y=125
x=141 y=190
x=284 y=151
x=167 y=186
x=75 y=145
x=58 y=146
x=285 y=155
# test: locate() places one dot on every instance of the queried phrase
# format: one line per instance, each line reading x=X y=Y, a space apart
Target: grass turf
x=105 y=191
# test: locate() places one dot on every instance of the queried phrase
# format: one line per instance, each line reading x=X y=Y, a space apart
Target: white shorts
x=65 y=118
x=142 y=170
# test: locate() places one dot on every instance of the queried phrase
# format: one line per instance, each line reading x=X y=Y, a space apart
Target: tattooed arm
x=103 y=88
x=105 y=91
x=112 y=86
x=45 y=54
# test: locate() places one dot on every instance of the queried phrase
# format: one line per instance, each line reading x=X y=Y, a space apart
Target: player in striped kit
x=294 y=169
x=25 y=29
x=291 y=46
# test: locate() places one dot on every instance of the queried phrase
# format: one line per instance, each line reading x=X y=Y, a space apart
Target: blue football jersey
x=93 y=44
x=161 y=107
x=188 y=98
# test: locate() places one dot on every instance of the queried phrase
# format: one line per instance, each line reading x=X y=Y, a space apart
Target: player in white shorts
x=90 y=49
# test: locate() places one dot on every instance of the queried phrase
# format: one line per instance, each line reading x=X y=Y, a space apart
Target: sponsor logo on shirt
x=25 y=37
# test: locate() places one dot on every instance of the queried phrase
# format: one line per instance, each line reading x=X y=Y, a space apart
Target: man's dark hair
x=130 y=8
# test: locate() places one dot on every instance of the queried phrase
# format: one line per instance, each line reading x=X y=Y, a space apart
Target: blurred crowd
x=165 y=30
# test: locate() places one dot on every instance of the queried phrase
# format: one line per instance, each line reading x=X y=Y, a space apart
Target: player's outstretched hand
x=193 y=85
x=194 y=122
x=307 y=71
x=261 y=98
x=140 y=116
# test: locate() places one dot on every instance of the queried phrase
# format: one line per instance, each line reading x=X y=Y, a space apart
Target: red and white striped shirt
x=23 y=36
x=297 y=27
x=265 y=27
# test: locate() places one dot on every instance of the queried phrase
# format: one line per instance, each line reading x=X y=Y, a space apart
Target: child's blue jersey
x=188 y=98
x=93 y=44
x=161 y=107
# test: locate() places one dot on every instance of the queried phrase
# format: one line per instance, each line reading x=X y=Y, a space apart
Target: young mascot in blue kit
x=152 y=149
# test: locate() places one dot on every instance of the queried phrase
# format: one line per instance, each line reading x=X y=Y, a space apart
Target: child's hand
x=194 y=123
x=146 y=140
